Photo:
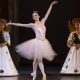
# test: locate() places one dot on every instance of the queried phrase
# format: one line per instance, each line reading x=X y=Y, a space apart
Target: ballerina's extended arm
x=49 y=10
x=30 y=25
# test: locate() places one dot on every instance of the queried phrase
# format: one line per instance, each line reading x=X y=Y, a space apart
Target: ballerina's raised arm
x=48 y=11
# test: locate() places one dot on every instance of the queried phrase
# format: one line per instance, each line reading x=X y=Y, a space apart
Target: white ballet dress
x=37 y=48
x=7 y=67
x=72 y=62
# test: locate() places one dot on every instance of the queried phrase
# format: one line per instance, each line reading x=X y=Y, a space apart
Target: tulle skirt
x=36 y=49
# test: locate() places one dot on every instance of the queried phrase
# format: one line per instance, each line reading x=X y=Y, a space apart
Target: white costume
x=7 y=67
x=72 y=62
x=37 y=48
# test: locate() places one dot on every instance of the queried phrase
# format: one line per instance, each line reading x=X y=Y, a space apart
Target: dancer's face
x=35 y=16
x=2 y=26
x=77 y=25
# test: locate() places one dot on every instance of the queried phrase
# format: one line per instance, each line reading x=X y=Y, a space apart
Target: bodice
x=76 y=38
x=40 y=32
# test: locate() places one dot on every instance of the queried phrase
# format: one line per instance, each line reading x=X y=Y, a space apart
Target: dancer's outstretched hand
x=8 y=23
x=54 y=2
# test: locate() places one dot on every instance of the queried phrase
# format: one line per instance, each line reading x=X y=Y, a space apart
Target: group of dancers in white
x=38 y=48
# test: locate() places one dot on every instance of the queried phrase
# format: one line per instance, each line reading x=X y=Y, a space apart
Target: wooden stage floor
x=52 y=74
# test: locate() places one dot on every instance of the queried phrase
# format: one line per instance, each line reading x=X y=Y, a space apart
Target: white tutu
x=36 y=49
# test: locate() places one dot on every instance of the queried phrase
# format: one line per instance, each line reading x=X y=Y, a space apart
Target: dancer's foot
x=33 y=75
x=44 y=77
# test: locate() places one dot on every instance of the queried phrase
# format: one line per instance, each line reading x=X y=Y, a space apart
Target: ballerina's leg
x=35 y=64
x=41 y=66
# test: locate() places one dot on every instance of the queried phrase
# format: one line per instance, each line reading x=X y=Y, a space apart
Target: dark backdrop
x=57 y=26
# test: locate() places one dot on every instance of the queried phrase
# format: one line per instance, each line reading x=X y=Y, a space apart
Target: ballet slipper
x=34 y=78
x=44 y=77
x=33 y=75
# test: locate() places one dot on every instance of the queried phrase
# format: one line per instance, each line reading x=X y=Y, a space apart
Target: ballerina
x=39 y=47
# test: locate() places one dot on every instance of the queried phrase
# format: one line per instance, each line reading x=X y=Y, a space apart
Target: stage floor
x=39 y=77
x=51 y=71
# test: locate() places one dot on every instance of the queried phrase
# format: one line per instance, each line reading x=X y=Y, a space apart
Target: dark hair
x=35 y=11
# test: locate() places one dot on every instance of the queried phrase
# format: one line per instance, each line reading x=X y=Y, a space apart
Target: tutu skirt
x=36 y=49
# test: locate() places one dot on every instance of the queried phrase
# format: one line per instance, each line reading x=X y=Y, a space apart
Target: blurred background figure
x=72 y=62
x=7 y=67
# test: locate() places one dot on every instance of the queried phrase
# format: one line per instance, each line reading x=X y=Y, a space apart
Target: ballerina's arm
x=49 y=10
x=30 y=25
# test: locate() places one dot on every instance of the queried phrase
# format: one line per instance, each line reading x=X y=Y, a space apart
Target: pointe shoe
x=34 y=75
x=34 y=78
x=44 y=77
